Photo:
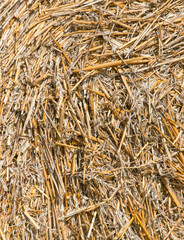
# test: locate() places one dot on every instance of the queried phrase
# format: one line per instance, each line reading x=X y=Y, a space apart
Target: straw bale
x=91 y=119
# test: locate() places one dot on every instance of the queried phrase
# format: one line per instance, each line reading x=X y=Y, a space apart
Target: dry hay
x=91 y=119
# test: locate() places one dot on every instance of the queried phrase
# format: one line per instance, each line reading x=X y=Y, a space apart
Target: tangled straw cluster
x=91 y=119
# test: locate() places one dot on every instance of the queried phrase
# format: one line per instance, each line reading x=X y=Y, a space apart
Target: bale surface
x=91 y=119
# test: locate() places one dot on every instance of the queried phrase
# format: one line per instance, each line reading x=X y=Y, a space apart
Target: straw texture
x=91 y=119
